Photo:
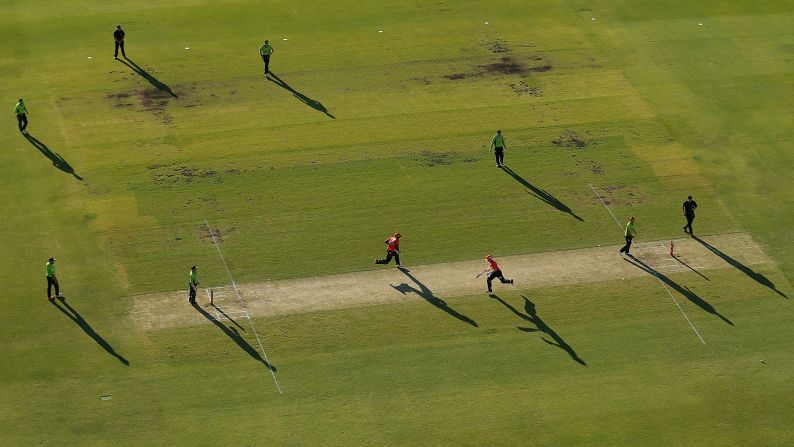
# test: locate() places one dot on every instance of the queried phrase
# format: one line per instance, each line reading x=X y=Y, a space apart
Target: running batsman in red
x=392 y=250
x=495 y=272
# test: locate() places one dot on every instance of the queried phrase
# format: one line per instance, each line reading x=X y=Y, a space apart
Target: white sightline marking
x=242 y=303
x=666 y=289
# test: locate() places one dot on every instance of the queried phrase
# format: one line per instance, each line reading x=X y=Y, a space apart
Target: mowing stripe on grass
x=242 y=303
x=666 y=289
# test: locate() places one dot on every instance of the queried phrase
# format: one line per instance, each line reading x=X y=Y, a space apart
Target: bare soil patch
x=569 y=138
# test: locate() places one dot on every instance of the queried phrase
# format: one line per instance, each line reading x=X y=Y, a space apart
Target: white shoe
x=24 y=132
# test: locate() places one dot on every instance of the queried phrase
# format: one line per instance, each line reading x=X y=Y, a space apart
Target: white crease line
x=240 y=298
x=666 y=289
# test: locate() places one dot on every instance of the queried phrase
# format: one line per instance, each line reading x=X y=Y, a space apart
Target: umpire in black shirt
x=689 y=212
x=118 y=36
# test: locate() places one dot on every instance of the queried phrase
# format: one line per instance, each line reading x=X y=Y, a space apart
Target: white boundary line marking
x=242 y=302
x=666 y=289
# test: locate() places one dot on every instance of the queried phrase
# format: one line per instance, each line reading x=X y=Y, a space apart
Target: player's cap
x=499 y=131
x=489 y=257
x=194 y=268
x=689 y=197
x=51 y=260
x=398 y=235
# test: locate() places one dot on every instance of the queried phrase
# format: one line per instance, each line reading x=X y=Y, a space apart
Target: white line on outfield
x=242 y=302
x=666 y=289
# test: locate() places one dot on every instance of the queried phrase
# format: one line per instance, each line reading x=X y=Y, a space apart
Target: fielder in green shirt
x=265 y=51
x=52 y=280
x=22 y=116
x=630 y=232
x=498 y=145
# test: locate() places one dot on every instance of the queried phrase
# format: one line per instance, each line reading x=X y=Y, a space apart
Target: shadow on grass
x=532 y=316
x=690 y=268
x=232 y=333
x=757 y=277
x=66 y=309
x=541 y=194
x=428 y=296
x=145 y=75
x=690 y=295
x=56 y=159
x=314 y=104
x=228 y=317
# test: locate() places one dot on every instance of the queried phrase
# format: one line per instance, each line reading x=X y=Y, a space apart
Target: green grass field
x=362 y=133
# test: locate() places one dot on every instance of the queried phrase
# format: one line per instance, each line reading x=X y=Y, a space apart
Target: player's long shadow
x=145 y=75
x=54 y=157
x=80 y=321
x=540 y=325
x=690 y=295
x=757 y=277
x=314 y=104
x=428 y=296
x=541 y=194
x=691 y=268
x=232 y=333
x=228 y=317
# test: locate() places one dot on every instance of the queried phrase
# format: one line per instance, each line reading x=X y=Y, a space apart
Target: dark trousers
x=23 y=121
x=498 y=274
x=626 y=247
x=389 y=254
x=266 y=60
x=52 y=281
x=192 y=293
x=688 y=225
x=499 y=152
x=120 y=45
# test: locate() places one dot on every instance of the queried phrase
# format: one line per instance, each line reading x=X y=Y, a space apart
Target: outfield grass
x=371 y=133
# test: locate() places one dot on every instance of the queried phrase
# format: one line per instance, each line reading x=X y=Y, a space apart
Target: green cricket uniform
x=630 y=230
x=192 y=278
x=22 y=116
x=498 y=140
x=498 y=143
x=265 y=51
x=629 y=233
x=49 y=271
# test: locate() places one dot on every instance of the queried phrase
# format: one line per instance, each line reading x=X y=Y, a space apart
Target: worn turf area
x=132 y=167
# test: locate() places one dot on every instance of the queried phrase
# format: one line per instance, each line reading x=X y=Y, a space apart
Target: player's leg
x=49 y=287
x=625 y=248
x=24 y=121
x=19 y=122
x=490 y=279
x=57 y=289
x=116 y=51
